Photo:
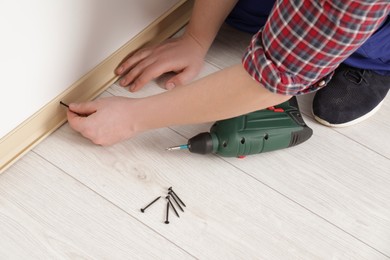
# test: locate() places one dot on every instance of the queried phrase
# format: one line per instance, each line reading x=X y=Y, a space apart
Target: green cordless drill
x=261 y=131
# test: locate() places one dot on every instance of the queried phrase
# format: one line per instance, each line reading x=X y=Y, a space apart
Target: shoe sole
x=350 y=123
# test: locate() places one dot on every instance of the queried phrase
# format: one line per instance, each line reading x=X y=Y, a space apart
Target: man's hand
x=183 y=55
x=110 y=120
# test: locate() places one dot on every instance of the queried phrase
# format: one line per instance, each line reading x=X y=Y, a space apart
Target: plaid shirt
x=304 y=41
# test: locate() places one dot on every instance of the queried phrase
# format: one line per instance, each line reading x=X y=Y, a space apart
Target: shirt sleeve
x=304 y=41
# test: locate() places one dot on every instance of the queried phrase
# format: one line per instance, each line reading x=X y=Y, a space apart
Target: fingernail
x=132 y=87
x=119 y=70
x=123 y=82
x=170 y=86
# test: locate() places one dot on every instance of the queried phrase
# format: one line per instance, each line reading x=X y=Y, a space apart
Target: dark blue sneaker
x=350 y=97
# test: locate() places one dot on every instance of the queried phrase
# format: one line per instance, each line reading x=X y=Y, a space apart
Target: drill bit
x=179 y=147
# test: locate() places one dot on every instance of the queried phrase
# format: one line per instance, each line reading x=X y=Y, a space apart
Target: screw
x=143 y=210
x=166 y=220
x=177 y=203
x=65 y=105
x=169 y=201
x=171 y=190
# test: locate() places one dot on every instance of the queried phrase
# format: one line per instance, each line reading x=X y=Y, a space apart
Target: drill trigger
x=279 y=109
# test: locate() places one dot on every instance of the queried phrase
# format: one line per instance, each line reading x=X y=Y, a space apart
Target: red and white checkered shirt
x=304 y=41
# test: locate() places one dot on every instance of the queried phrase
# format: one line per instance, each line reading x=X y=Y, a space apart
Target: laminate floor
x=327 y=198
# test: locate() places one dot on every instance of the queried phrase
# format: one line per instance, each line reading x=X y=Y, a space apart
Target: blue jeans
x=374 y=54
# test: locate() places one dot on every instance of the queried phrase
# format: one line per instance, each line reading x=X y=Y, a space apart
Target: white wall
x=47 y=45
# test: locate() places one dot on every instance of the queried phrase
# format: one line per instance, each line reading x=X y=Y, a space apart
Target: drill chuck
x=202 y=143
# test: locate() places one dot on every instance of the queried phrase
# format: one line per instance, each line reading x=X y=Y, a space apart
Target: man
x=359 y=84
x=296 y=52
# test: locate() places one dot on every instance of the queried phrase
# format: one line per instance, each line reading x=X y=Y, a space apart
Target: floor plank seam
x=363 y=145
x=307 y=209
x=115 y=205
x=214 y=64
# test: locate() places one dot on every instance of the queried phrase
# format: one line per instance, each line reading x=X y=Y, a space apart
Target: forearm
x=225 y=94
x=207 y=17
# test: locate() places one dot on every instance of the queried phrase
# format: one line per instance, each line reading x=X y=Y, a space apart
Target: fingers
x=86 y=126
x=150 y=69
x=135 y=72
x=77 y=115
x=146 y=65
x=75 y=121
x=85 y=108
x=108 y=120
x=149 y=73
x=132 y=61
x=181 y=78
x=143 y=75
x=175 y=55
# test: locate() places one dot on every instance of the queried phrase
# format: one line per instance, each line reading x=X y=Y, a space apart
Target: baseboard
x=28 y=134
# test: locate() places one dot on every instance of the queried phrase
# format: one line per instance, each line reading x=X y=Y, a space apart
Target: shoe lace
x=356 y=75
